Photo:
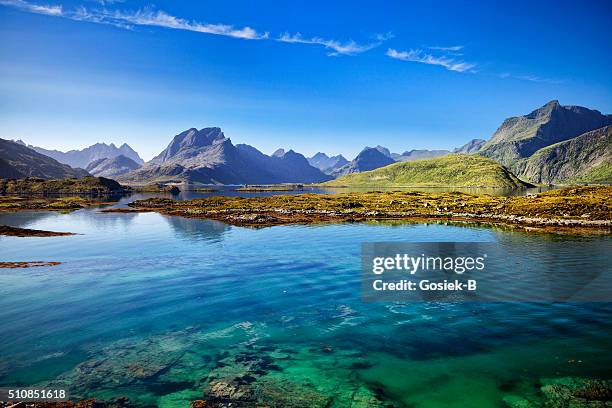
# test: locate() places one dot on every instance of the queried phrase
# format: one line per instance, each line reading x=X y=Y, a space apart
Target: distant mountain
x=112 y=167
x=419 y=154
x=521 y=136
x=472 y=146
x=82 y=158
x=326 y=163
x=383 y=150
x=207 y=156
x=370 y=158
x=585 y=158
x=19 y=161
x=453 y=170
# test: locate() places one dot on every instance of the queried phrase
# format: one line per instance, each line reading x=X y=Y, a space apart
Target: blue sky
x=308 y=75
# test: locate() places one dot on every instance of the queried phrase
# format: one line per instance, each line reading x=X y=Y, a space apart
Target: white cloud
x=159 y=18
x=33 y=8
x=530 y=78
x=453 y=48
x=422 y=57
x=336 y=47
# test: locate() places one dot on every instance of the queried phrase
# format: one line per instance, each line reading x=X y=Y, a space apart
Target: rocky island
x=568 y=209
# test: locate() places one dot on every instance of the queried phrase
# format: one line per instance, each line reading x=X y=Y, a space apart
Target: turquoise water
x=157 y=308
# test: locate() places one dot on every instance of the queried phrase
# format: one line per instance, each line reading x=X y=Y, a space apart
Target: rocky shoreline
x=578 y=209
x=27 y=232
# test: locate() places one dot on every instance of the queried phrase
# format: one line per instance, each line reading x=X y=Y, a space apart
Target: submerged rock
x=567 y=392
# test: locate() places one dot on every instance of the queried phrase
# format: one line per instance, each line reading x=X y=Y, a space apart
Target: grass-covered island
x=570 y=208
x=93 y=186
x=456 y=170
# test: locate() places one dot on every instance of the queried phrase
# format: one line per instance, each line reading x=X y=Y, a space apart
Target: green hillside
x=454 y=170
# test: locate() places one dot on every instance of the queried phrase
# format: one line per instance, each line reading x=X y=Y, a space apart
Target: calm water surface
x=156 y=307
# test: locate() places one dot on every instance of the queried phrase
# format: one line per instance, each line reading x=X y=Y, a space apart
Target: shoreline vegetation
x=569 y=209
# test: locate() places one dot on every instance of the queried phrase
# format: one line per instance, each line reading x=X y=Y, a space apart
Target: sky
x=306 y=75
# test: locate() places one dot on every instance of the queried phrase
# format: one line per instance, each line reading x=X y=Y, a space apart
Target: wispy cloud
x=33 y=8
x=453 y=48
x=420 y=56
x=530 y=78
x=336 y=47
x=159 y=18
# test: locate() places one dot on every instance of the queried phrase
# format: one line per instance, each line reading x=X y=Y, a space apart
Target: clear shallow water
x=155 y=307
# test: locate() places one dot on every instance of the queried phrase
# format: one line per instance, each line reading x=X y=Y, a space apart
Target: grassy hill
x=454 y=170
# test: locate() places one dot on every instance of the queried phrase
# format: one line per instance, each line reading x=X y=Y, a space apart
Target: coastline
x=579 y=209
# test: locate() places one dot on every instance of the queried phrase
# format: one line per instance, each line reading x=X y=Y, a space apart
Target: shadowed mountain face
x=82 y=158
x=326 y=163
x=521 y=136
x=472 y=146
x=19 y=161
x=586 y=158
x=419 y=154
x=369 y=159
x=207 y=156
x=112 y=167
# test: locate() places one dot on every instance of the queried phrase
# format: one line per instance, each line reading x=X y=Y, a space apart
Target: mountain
x=370 y=158
x=521 y=136
x=585 y=158
x=453 y=170
x=112 y=167
x=419 y=154
x=19 y=161
x=82 y=158
x=326 y=163
x=383 y=150
x=472 y=146
x=207 y=156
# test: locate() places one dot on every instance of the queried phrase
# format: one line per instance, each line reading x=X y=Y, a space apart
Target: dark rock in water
x=229 y=392
x=174 y=190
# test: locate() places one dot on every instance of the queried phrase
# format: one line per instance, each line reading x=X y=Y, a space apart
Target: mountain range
x=112 y=167
x=552 y=144
x=206 y=156
x=82 y=158
x=369 y=158
x=528 y=145
x=18 y=161
x=326 y=163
